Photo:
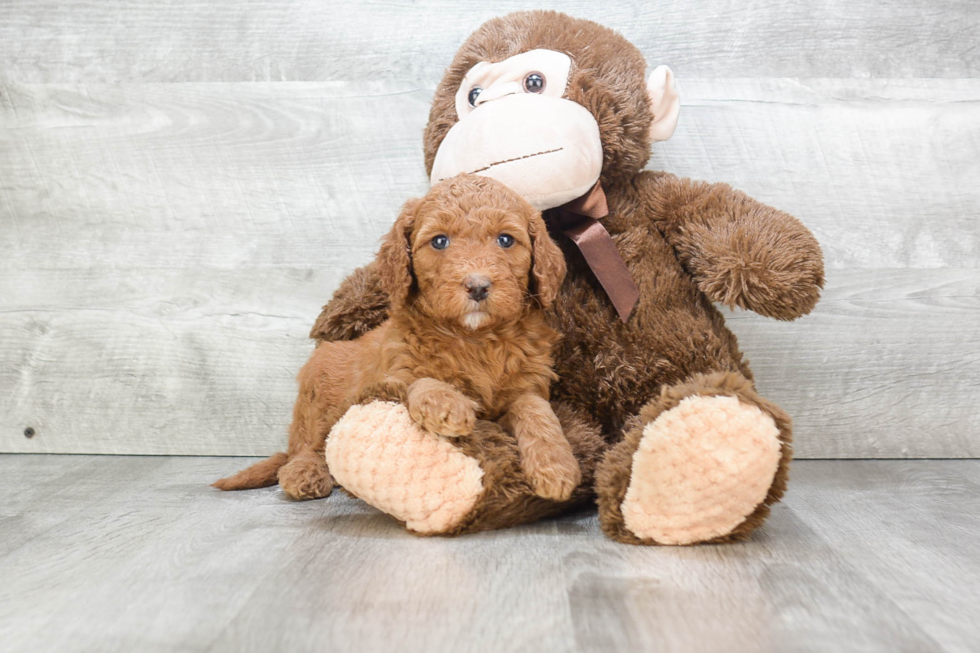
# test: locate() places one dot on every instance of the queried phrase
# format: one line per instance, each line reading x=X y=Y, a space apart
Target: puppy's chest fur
x=492 y=367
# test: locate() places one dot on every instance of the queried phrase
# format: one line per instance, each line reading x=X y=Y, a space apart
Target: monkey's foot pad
x=700 y=470
x=379 y=454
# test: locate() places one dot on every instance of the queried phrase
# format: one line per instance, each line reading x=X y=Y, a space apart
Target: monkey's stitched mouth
x=517 y=158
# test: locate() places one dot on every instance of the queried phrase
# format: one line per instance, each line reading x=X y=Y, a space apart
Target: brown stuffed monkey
x=672 y=439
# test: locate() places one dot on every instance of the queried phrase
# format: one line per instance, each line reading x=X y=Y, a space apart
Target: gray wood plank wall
x=182 y=185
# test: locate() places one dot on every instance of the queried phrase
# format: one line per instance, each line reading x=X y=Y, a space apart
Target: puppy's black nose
x=477 y=286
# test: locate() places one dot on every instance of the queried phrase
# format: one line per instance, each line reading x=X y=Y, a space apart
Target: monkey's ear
x=665 y=101
x=548 y=262
x=394 y=261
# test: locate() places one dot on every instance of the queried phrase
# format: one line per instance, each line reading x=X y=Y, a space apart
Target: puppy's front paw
x=553 y=472
x=440 y=408
x=444 y=414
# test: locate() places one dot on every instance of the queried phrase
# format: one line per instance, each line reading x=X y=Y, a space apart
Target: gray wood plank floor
x=138 y=554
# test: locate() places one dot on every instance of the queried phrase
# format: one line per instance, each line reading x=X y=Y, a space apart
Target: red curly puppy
x=469 y=269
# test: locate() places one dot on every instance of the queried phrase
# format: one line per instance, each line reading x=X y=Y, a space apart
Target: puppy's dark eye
x=474 y=93
x=505 y=240
x=534 y=83
x=440 y=242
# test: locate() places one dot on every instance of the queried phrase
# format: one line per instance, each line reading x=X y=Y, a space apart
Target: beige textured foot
x=377 y=452
x=700 y=470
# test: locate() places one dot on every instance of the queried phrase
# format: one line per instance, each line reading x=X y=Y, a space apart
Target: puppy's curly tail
x=262 y=474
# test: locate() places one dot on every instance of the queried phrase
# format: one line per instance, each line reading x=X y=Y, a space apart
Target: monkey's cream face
x=516 y=126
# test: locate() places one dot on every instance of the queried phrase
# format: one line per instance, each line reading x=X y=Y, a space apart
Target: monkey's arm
x=739 y=251
x=359 y=305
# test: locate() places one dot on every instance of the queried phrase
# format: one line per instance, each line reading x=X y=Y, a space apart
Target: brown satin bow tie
x=579 y=220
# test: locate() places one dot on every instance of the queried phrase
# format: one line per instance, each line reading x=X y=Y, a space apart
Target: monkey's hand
x=739 y=251
x=440 y=408
x=359 y=305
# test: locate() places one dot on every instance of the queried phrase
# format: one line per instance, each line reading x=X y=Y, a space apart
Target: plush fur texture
x=614 y=474
x=360 y=305
x=379 y=453
x=507 y=497
x=686 y=244
x=607 y=78
x=468 y=270
x=700 y=469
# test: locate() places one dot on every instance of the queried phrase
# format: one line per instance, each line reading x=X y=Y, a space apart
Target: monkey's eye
x=474 y=93
x=440 y=242
x=534 y=83
x=505 y=240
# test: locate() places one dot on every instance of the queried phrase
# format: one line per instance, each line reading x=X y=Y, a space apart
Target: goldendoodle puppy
x=469 y=270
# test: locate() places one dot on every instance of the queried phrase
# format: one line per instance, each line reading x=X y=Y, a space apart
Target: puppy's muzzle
x=477 y=286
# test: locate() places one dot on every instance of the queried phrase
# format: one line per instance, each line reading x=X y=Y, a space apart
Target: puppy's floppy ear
x=548 y=266
x=394 y=261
